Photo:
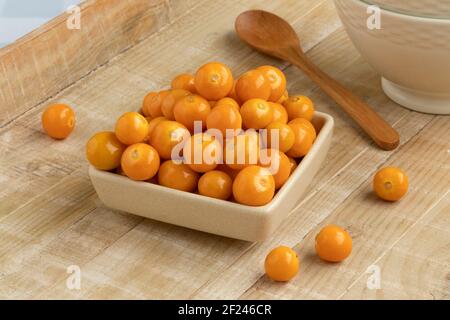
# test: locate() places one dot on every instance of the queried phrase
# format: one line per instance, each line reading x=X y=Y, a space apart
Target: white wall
x=18 y=17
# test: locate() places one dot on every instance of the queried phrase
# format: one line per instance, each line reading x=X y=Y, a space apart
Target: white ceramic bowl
x=212 y=215
x=411 y=53
x=424 y=8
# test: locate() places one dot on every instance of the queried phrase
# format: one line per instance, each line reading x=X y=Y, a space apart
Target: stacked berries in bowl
x=225 y=139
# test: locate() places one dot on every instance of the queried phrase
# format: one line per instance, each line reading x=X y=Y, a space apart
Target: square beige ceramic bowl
x=212 y=215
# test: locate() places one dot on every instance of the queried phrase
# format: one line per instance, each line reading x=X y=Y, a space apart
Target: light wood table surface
x=51 y=218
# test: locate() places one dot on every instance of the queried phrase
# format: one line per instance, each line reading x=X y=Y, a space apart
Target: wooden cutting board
x=51 y=218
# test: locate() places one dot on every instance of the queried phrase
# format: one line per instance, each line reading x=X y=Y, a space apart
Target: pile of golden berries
x=229 y=139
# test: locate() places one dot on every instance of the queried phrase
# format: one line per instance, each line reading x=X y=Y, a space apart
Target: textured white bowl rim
x=405 y=13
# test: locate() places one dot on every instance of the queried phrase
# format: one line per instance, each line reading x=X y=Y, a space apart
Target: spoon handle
x=376 y=127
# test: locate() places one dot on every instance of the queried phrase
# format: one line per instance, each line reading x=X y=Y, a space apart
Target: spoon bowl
x=255 y=27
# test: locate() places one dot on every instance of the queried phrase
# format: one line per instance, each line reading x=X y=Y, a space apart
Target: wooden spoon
x=270 y=34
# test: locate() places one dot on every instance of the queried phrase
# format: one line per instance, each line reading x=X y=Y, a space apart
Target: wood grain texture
x=417 y=264
x=50 y=217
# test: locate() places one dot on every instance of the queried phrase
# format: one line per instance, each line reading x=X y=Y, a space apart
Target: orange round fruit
x=241 y=151
x=184 y=81
x=229 y=102
x=256 y=114
x=294 y=164
x=283 y=135
x=215 y=184
x=140 y=162
x=149 y=119
x=120 y=171
x=177 y=176
x=277 y=81
x=253 y=85
x=169 y=137
x=308 y=125
x=190 y=109
x=104 y=151
x=281 y=264
x=202 y=153
x=214 y=81
x=333 y=244
x=304 y=134
x=148 y=100
x=278 y=164
x=284 y=97
x=131 y=128
x=230 y=172
x=170 y=100
x=152 y=124
x=152 y=103
x=58 y=121
x=224 y=117
x=254 y=186
x=299 y=107
x=233 y=94
x=390 y=184
x=279 y=113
